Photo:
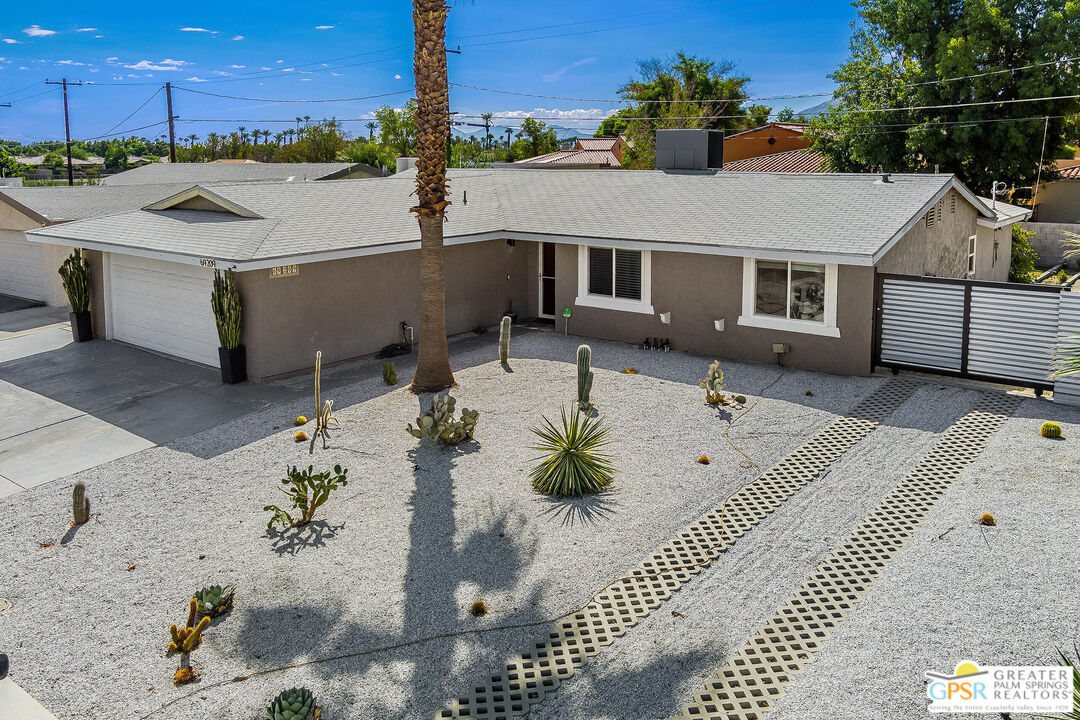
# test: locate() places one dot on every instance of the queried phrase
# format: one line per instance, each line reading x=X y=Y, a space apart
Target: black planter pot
x=233 y=365
x=82 y=327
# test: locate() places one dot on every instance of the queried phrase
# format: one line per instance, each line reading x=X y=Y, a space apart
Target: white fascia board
x=125 y=250
x=1011 y=220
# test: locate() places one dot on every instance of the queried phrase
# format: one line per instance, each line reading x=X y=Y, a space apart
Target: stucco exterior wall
x=1059 y=202
x=940 y=250
x=698 y=289
x=353 y=307
x=97 y=290
x=13 y=225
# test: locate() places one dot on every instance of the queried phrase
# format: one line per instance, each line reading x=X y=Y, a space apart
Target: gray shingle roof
x=838 y=214
x=156 y=173
x=58 y=204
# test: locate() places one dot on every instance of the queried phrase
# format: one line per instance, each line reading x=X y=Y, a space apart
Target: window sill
x=805 y=327
x=606 y=303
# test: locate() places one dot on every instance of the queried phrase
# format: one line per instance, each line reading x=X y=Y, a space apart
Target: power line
x=131 y=130
x=16 y=92
x=133 y=113
x=266 y=100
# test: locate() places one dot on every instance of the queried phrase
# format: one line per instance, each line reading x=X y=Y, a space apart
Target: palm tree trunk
x=433 y=371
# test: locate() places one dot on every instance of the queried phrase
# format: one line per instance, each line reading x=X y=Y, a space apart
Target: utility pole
x=449 y=121
x=67 y=125
x=172 y=132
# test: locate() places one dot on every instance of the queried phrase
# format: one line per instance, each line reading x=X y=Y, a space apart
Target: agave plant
x=1074 y=663
x=294 y=704
x=214 y=600
x=572 y=463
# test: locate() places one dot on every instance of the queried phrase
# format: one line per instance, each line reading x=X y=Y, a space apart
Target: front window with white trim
x=790 y=295
x=971 y=257
x=614 y=278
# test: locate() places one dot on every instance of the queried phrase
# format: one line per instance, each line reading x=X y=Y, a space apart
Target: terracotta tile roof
x=1072 y=173
x=575 y=157
x=600 y=143
x=792 y=161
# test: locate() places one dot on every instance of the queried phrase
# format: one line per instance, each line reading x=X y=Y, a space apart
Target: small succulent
x=301 y=420
x=1050 y=430
x=80 y=505
x=389 y=373
x=987 y=519
x=187 y=638
x=704 y=460
x=300 y=436
x=478 y=608
x=184 y=675
x=294 y=704
x=214 y=600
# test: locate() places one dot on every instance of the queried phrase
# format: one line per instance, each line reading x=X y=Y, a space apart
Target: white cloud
x=238 y=37
x=289 y=70
x=552 y=77
x=576 y=114
x=324 y=27
x=305 y=79
x=397 y=77
x=111 y=60
x=198 y=29
x=23 y=67
x=264 y=68
x=238 y=67
x=68 y=62
x=279 y=61
x=85 y=29
x=38 y=31
x=165 y=65
x=195 y=78
x=336 y=74
x=98 y=36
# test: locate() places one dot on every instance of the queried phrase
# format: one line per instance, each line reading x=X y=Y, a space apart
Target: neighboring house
x=586 y=153
x=29 y=270
x=766 y=140
x=1057 y=212
x=723 y=264
x=798 y=161
x=157 y=173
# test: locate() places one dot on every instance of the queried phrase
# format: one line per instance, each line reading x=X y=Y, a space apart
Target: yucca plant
x=225 y=300
x=75 y=276
x=1074 y=663
x=572 y=463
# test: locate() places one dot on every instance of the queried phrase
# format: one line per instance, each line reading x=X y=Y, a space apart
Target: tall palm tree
x=486 y=117
x=433 y=371
x=371 y=125
x=278 y=136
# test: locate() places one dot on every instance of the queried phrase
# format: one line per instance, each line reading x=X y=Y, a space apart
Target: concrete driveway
x=67 y=406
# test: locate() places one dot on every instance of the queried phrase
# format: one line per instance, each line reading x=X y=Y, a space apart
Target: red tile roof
x=576 y=157
x=1072 y=173
x=792 y=161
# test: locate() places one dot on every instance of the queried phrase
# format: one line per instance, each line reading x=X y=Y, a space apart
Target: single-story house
x=766 y=140
x=29 y=269
x=157 y=173
x=587 y=152
x=720 y=263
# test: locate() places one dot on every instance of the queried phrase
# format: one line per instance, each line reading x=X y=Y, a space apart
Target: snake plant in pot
x=225 y=299
x=75 y=275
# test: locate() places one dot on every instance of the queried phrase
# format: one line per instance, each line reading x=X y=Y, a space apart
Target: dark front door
x=547 y=280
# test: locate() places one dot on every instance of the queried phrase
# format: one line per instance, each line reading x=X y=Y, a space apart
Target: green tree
x=540 y=138
x=901 y=50
x=614 y=124
x=682 y=92
x=397 y=128
x=115 y=156
x=1024 y=255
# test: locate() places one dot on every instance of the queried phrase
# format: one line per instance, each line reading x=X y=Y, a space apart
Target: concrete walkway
x=67 y=406
x=17 y=703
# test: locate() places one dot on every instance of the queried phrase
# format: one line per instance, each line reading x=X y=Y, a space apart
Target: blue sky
x=319 y=50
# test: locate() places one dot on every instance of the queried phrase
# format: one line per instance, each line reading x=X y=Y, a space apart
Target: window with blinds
x=615 y=273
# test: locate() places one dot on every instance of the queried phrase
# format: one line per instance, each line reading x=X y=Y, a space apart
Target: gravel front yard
x=396 y=556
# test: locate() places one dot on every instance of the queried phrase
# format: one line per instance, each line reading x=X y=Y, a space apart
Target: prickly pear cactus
x=439 y=423
x=713 y=385
x=294 y=704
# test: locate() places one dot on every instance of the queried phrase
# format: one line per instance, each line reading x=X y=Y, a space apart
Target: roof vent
x=886 y=178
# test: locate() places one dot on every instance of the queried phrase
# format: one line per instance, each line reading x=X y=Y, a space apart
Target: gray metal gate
x=1000 y=332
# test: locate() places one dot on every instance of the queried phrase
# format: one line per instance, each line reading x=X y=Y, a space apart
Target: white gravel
x=399 y=554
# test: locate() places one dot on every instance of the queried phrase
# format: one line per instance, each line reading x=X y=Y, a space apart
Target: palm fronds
x=1067 y=356
x=572 y=464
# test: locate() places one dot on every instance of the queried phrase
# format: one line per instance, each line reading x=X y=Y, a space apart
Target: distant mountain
x=476 y=129
x=817 y=109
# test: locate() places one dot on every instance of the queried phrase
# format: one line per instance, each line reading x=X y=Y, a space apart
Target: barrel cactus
x=214 y=600
x=80 y=505
x=294 y=704
x=504 y=340
x=1050 y=430
x=584 y=376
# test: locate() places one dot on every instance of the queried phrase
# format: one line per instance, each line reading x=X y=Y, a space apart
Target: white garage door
x=163 y=306
x=21 y=271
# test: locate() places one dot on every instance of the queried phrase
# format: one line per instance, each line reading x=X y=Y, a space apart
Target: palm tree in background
x=371 y=125
x=486 y=117
x=433 y=371
x=278 y=136
x=191 y=139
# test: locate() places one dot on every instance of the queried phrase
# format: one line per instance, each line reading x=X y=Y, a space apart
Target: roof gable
x=201 y=199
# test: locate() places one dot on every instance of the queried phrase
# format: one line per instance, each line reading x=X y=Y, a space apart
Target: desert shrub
x=572 y=463
x=1024 y=256
x=307 y=490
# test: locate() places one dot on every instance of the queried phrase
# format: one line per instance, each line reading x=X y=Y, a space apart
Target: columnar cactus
x=504 y=340
x=225 y=302
x=187 y=638
x=584 y=376
x=75 y=277
x=80 y=505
